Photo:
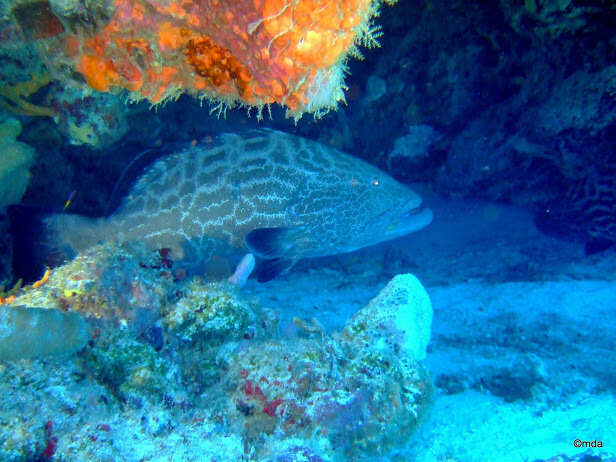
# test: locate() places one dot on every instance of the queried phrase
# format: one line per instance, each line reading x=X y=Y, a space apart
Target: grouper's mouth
x=412 y=220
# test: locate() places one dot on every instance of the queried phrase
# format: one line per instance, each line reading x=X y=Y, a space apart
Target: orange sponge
x=252 y=52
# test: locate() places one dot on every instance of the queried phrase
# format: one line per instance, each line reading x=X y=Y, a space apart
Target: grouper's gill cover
x=273 y=194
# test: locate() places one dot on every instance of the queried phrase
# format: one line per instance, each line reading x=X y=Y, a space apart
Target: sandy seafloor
x=523 y=348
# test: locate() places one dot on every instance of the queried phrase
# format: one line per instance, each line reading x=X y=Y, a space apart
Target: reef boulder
x=360 y=390
x=399 y=317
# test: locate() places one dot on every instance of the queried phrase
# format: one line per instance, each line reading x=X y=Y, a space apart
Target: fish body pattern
x=587 y=212
x=272 y=194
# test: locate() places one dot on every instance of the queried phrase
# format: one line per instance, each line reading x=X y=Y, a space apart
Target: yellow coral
x=82 y=134
x=14 y=97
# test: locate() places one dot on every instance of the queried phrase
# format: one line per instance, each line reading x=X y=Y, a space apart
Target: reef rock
x=361 y=390
x=399 y=317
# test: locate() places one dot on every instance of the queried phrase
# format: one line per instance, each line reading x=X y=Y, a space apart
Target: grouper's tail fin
x=43 y=240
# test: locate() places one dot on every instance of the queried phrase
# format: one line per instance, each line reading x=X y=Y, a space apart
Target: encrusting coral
x=251 y=52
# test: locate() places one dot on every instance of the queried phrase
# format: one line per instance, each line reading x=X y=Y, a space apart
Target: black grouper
x=277 y=196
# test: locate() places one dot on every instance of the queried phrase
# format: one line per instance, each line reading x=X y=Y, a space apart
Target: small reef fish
x=587 y=212
x=69 y=200
x=268 y=193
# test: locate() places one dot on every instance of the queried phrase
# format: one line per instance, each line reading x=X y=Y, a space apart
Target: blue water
x=501 y=116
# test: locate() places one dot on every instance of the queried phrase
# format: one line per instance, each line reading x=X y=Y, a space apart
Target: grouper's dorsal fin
x=155 y=171
x=139 y=174
x=113 y=202
x=278 y=242
x=172 y=156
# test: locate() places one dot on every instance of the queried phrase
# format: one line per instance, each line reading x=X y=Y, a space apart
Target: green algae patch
x=209 y=313
x=127 y=367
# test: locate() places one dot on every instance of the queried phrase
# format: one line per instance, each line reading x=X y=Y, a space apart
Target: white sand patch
x=473 y=427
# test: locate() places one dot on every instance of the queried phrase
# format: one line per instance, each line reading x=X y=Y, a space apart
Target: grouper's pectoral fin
x=275 y=242
x=279 y=249
x=269 y=269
